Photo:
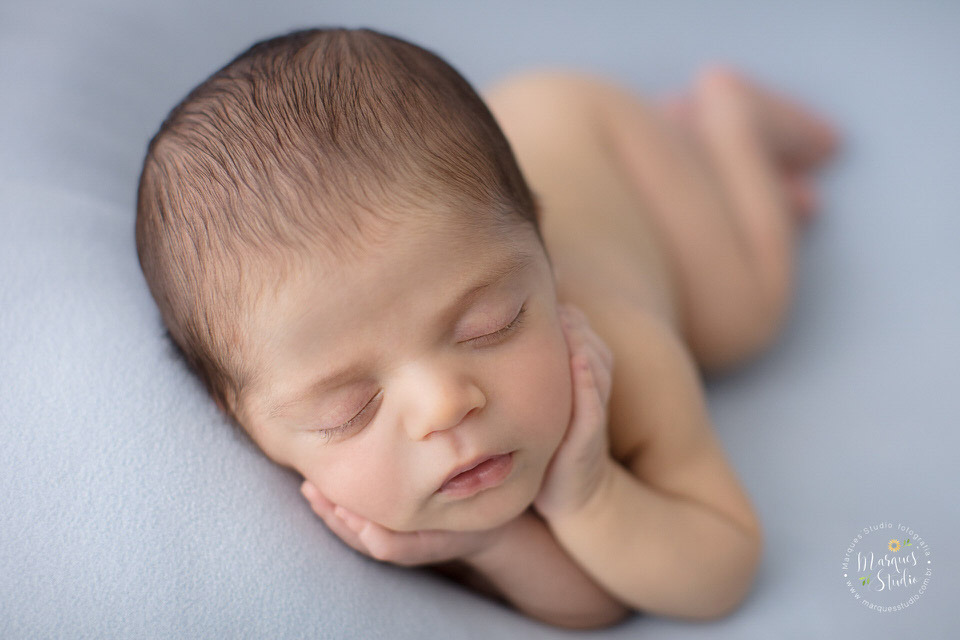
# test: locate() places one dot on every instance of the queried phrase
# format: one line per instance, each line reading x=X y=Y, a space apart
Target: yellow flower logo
x=894 y=545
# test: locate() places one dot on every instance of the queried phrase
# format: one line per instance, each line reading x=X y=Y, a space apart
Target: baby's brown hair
x=308 y=144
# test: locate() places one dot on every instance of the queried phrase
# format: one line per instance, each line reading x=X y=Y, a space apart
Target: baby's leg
x=798 y=141
x=762 y=147
x=727 y=202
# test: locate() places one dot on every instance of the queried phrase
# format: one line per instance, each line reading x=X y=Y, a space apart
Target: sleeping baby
x=479 y=327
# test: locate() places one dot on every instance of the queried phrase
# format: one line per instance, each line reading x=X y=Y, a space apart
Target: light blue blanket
x=129 y=510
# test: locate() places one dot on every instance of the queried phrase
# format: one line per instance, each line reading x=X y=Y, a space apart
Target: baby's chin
x=466 y=515
x=484 y=521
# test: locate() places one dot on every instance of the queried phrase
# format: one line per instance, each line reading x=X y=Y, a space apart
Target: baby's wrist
x=594 y=501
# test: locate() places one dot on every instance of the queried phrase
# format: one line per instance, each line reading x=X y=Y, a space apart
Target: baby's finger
x=325 y=510
x=588 y=409
x=601 y=358
x=318 y=502
x=346 y=533
x=597 y=344
x=577 y=326
x=580 y=347
x=583 y=346
x=602 y=378
x=592 y=339
x=572 y=334
x=574 y=312
x=397 y=547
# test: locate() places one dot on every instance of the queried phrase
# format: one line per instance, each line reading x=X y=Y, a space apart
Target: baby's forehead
x=427 y=238
x=405 y=273
x=424 y=259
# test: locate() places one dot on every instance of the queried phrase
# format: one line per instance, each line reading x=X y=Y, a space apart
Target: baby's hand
x=582 y=460
x=404 y=548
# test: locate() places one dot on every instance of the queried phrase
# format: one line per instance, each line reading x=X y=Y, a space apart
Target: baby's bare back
x=601 y=240
x=687 y=208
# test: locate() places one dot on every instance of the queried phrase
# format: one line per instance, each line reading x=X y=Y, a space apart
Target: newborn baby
x=478 y=326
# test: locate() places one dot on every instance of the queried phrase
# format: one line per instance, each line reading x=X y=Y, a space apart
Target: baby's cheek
x=561 y=406
x=379 y=489
x=547 y=397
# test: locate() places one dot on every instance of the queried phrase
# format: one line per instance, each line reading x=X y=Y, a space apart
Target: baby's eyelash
x=513 y=326
x=326 y=434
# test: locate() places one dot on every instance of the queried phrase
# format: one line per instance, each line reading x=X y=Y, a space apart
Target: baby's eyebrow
x=510 y=266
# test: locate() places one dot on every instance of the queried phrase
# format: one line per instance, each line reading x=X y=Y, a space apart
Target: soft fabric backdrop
x=128 y=508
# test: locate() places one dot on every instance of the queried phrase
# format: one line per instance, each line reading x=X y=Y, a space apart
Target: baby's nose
x=441 y=403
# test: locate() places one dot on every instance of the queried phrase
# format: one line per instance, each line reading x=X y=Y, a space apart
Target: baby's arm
x=676 y=535
x=518 y=562
x=535 y=575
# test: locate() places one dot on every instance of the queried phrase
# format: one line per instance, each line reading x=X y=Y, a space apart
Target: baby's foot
x=798 y=186
x=800 y=138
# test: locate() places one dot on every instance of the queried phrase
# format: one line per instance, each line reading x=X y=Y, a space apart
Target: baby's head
x=314 y=222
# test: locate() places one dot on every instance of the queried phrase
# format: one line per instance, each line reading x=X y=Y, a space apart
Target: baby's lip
x=469 y=465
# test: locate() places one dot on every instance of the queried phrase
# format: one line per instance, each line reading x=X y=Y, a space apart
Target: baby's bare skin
x=687 y=208
x=671 y=218
x=678 y=206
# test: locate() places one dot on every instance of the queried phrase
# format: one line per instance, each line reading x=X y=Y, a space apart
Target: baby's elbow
x=741 y=579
